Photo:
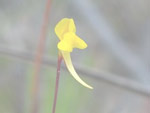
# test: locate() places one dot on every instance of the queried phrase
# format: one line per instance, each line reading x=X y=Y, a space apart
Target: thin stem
x=57 y=83
x=38 y=57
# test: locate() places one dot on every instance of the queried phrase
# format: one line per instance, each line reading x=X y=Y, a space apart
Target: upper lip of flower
x=64 y=26
x=65 y=30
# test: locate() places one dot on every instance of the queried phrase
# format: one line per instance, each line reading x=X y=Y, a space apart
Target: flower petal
x=70 y=41
x=64 y=26
x=72 y=27
x=65 y=45
x=67 y=58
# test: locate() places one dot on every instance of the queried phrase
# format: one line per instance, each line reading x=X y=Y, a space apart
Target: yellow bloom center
x=65 y=30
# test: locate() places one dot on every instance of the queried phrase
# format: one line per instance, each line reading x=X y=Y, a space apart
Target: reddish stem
x=38 y=57
x=57 y=83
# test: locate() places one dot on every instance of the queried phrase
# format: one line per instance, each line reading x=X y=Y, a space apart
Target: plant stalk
x=38 y=57
x=57 y=83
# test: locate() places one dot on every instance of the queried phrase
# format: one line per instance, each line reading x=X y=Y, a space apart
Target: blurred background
x=116 y=62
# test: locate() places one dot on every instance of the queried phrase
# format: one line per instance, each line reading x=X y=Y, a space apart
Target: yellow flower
x=65 y=30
